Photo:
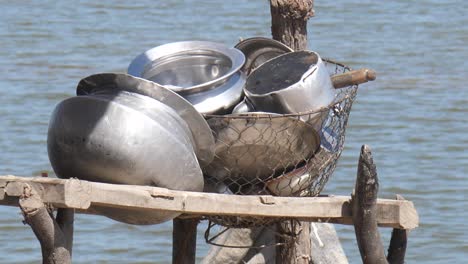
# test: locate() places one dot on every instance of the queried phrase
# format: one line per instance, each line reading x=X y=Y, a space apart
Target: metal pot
x=295 y=82
x=122 y=138
x=201 y=132
x=258 y=50
x=256 y=146
x=206 y=73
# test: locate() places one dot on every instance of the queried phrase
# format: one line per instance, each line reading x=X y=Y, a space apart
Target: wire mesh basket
x=266 y=153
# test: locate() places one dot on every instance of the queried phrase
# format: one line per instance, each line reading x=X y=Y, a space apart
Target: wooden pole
x=364 y=210
x=65 y=220
x=295 y=240
x=184 y=241
x=398 y=243
x=289 y=26
x=289 y=21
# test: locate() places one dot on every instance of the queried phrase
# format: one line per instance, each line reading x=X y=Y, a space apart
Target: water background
x=415 y=116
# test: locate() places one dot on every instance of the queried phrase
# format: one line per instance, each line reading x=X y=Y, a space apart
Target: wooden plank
x=83 y=195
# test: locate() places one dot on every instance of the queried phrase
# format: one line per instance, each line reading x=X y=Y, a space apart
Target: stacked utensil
x=184 y=113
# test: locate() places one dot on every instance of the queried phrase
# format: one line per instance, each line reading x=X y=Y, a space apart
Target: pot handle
x=353 y=78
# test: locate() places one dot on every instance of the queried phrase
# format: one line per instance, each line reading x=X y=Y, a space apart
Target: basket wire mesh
x=272 y=154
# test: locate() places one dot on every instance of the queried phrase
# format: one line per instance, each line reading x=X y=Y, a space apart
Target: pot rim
x=139 y=65
x=290 y=87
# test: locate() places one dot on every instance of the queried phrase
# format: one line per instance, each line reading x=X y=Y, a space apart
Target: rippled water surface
x=415 y=116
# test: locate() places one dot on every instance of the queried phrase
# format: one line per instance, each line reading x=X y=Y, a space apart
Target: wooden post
x=289 y=21
x=55 y=238
x=184 y=241
x=364 y=213
x=65 y=220
x=398 y=243
x=289 y=26
x=295 y=240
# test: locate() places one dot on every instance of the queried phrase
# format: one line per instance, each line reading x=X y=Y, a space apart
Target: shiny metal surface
x=255 y=145
x=107 y=138
x=258 y=50
x=201 y=132
x=221 y=99
x=292 y=83
x=243 y=107
x=299 y=179
x=195 y=67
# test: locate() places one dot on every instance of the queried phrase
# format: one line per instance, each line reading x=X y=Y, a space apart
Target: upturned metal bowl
x=205 y=73
x=116 y=82
x=123 y=138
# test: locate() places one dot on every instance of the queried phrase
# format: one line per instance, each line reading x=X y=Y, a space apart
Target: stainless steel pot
x=205 y=73
x=295 y=82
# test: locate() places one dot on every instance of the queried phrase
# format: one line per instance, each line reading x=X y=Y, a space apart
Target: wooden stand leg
x=184 y=241
x=65 y=220
x=296 y=245
x=55 y=244
x=364 y=213
x=289 y=26
x=398 y=243
x=289 y=21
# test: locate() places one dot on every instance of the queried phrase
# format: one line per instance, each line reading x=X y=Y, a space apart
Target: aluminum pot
x=253 y=147
x=206 y=73
x=123 y=138
x=294 y=82
x=115 y=82
x=258 y=50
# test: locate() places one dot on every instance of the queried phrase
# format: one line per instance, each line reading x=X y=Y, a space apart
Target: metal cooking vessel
x=201 y=132
x=295 y=82
x=205 y=73
x=259 y=50
x=259 y=145
x=122 y=138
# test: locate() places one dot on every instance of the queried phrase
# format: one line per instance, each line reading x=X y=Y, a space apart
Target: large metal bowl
x=115 y=82
x=123 y=138
x=254 y=147
x=209 y=70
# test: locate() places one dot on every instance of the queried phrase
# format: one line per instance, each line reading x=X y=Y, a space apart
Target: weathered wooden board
x=82 y=195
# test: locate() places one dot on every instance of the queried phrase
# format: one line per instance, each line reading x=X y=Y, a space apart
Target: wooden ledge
x=83 y=195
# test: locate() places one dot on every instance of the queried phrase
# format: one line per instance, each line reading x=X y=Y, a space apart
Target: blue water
x=414 y=116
